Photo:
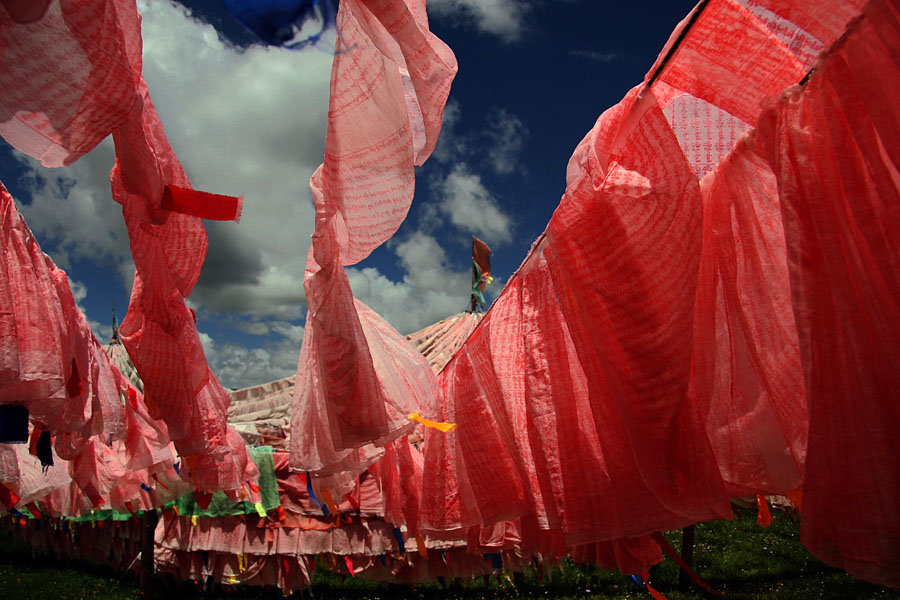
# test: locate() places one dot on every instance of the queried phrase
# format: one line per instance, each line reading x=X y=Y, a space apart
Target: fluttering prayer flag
x=481 y=270
x=443 y=427
x=200 y=204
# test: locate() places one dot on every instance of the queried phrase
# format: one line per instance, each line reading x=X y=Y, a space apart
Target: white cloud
x=430 y=291
x=237 y=365
x=451 y=147
x=243 y=122
x=72 y=208
x=253 y=327
x=292 y=332
x=79 y=293
x=272 y=355
x=503 y=18
x=463 y=199
x=500 y=141
x=269 y=327
x=460 y=196
x=508 y=134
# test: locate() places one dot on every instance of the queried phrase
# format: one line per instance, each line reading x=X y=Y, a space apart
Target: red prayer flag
x=202 y=204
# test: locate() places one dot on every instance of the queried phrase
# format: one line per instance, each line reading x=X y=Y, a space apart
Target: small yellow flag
x=444 y=427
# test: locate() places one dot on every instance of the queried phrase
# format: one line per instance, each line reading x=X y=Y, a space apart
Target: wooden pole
x=687 y=554
x=148 y=541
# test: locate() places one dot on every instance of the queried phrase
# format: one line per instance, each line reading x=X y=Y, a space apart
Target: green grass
x=738 y=558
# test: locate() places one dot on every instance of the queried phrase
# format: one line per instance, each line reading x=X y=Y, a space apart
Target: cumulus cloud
x=507 y=134
x=468 y=205
x=79 y=293
x=237 y=365
x=247 y=122
x=72 y=209
x=253 y=327
x=284 y=329
x=292 y=332
x=262 y=350
x=503 y=18
x=459 y=196
x=430 y=290
x=498 y=143
x=451 y=146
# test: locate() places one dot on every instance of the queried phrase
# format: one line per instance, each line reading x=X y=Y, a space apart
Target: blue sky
x=248 y=120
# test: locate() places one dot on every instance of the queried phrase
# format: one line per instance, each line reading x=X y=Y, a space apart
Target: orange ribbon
x=443 y=427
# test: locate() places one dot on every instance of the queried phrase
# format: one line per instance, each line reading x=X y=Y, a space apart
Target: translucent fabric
x=632 y=556
x=658 y=349
x=746 y=372
x=738 y=52
x=50 y=361
x=358 y=379
x=26 y=476
x=399 y=475
x=104 y=437
x=70 y=79
x=834 y=146
x=438 y=342
x=94 y=466
x=159 y=330
x=147 y=443
x=711 y=311
x=34 y=363
x=86 y=403
x=572 y=403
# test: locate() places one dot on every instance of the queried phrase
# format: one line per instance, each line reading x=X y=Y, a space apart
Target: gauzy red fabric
x=399 y=474
x=572 y=404
x=700 y=319
x=632 y=556
x=35 y=362
x=358 y=379
x=49 y=361
x=834 y=146
x=689 y=324
x=746 y=371
x=76 y=78
x=68 y=79
x=57 y=369
x=159 y=330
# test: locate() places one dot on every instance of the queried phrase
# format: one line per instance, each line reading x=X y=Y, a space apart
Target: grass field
x=737 y=558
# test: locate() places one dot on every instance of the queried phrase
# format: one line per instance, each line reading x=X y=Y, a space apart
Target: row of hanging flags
x=711 y=312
